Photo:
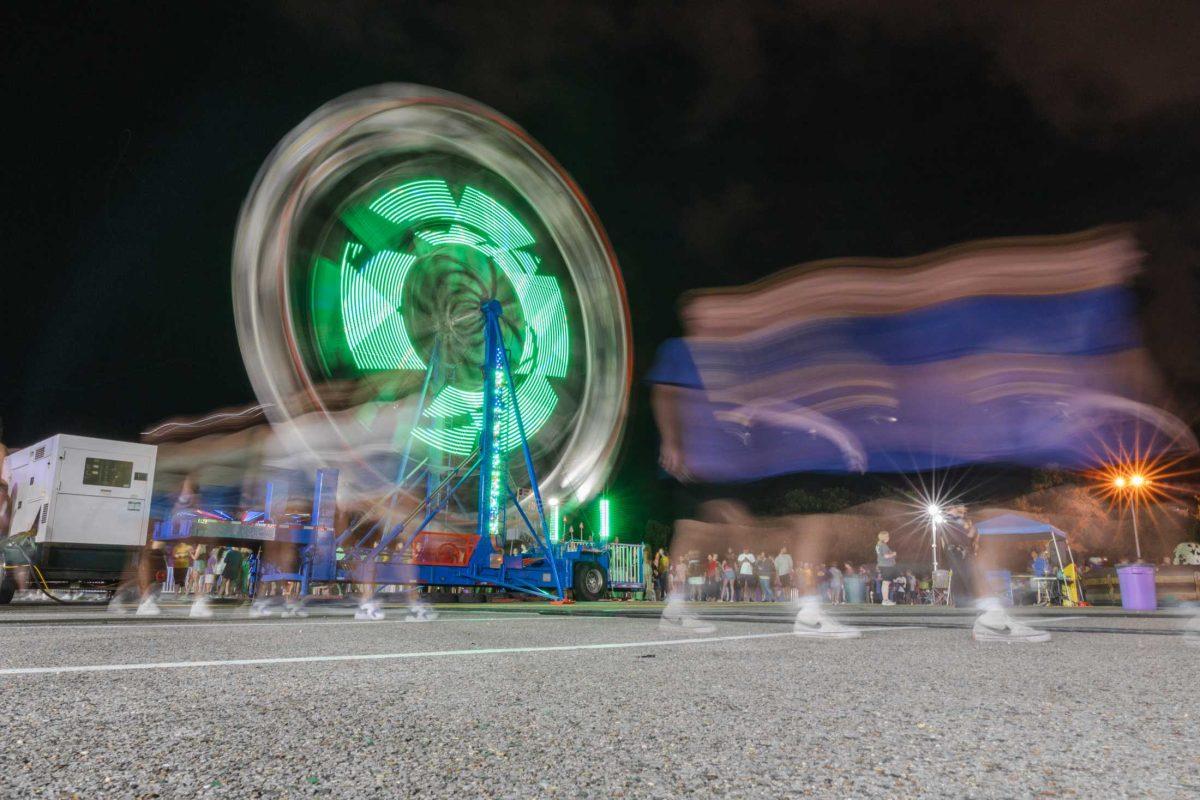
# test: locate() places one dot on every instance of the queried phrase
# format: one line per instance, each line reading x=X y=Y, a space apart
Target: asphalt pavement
x=527 y=700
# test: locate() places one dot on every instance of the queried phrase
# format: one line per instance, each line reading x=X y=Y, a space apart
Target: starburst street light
x=928 y=501
x=1136 y=484
x=936 y=517
x=1128 y=485
x=1143 y=475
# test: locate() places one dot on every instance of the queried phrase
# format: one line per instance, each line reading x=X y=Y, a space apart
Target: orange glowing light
x=1130 y=480
x=1154 y=474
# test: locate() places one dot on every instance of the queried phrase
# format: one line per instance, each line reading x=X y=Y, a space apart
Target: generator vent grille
x=39 y=453
x=45 y=512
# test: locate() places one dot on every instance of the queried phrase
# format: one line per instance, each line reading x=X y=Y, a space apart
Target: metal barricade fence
x=626 y=567
x=626 y=563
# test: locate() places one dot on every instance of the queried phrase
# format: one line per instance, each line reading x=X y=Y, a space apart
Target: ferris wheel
x=422 y=292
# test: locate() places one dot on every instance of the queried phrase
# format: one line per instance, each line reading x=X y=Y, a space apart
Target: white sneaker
x=117 y=606
x=888 y=603
x=295 y=609
x=419 y=612
x=813 y=622
x=369 y=611
x=263 y=607
x=995 y=625
x=677 y=619
x=1191 y=631
x=202 y=608
x=148 y=608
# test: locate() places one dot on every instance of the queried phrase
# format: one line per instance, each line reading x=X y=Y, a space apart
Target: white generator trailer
x=80 y=512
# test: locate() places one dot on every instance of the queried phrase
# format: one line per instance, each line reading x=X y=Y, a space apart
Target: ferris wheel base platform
x=427 y=562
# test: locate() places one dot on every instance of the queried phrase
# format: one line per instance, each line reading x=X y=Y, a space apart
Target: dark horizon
x=717 y=146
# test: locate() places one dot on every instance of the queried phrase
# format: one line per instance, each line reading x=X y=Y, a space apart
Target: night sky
x=717 y=142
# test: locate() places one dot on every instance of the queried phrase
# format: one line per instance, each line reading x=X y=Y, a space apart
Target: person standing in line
x=712 y=577
x=195 y=569
x=865 y=577
x=695 y=576
x=885 y=560
x=728 y=579
x=746 y=580
x=183 y=563
x=244 y=578
x=837 y=588
x=784 y=567
x=168 y=557
x=664 y=570
x=766 y=576
x=232 y=573
x=201 y=608
x=914 y=587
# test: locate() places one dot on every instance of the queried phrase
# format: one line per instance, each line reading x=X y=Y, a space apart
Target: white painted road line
x=263 y=623
x=491 y=651
x=888 y=627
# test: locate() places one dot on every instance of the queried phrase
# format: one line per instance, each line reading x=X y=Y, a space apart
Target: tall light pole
x=936 y=517
x=1135 y=485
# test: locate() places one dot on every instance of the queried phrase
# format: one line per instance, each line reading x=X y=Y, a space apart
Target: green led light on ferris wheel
x=605 y=519
x=414 y=223
x=554 y=523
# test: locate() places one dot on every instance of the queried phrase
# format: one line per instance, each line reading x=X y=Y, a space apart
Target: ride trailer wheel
x=591 y=582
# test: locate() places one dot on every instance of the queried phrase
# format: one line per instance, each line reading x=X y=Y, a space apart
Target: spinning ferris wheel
x=421 y=291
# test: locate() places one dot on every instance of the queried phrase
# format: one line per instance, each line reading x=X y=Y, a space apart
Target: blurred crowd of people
x=762 y=577
x=199 y=570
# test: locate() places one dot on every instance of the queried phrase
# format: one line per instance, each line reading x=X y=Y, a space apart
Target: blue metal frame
x=546 y=572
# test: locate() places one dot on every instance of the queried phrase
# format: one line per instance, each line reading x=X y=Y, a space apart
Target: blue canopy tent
x=1015 y=528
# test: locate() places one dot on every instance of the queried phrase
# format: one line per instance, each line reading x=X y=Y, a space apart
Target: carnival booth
x=1016 y=528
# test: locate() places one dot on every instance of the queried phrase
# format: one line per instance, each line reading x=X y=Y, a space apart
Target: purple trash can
x=1137 y=587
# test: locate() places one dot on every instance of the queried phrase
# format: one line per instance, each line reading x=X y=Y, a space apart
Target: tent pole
x=1058 y=555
